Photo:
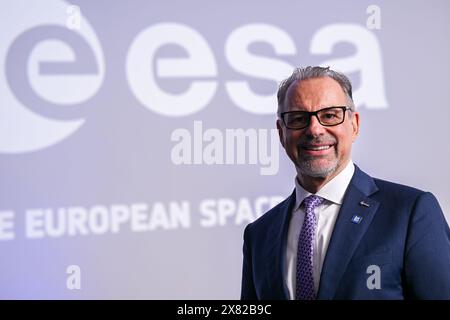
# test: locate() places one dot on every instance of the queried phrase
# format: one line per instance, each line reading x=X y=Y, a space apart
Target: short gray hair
x=312 y=72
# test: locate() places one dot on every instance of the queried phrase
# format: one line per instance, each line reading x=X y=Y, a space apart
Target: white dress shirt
x=326 y=213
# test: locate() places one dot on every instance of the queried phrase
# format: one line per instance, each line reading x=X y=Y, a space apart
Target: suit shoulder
x=401 y=195
x=271 y=217
x=398 y=190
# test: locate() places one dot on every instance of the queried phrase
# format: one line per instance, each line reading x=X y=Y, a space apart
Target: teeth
x=318 y=148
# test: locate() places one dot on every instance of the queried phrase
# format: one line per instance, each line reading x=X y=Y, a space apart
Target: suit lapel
x=347 y=233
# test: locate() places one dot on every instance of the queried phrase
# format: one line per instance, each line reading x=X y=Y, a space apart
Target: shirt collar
x=333 y=190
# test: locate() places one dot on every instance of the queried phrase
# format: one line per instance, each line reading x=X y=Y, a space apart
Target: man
x=341 y=234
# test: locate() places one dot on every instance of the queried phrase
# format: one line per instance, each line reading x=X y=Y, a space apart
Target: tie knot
x=312 y=202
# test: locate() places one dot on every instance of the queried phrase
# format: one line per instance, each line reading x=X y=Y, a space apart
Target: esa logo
x=44 y=65
x=50 y=74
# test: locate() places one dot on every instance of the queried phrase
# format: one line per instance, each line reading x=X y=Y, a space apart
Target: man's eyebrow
x=317 y=108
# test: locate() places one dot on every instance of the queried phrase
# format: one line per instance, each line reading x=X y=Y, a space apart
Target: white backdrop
x=137 y=137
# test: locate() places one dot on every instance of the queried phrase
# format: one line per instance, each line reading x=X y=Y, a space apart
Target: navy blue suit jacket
x=403 y=231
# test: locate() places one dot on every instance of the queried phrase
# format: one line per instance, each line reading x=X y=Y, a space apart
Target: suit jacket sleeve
x=247 y=289
x=427 y=255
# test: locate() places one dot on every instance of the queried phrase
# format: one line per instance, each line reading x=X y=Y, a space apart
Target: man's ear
x=355 y=125
x=280 y=132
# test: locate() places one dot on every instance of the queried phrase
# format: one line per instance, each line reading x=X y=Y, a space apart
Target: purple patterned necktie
x=305 y=278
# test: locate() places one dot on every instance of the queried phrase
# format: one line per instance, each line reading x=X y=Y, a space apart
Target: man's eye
x=330 y=115
x=298 y=119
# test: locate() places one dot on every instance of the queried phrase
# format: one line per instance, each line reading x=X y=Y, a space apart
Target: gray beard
x=306 y=166
x=308 y=169
x=305 y=163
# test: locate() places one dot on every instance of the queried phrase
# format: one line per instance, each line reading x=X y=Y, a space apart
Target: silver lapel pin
x=365 y=204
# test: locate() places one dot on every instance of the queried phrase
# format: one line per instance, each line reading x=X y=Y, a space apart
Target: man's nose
x=314 y=128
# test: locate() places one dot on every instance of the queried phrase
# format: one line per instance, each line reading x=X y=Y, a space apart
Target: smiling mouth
x=317 y=148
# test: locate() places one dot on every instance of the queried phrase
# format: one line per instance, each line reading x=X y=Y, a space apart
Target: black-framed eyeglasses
x=331 y=116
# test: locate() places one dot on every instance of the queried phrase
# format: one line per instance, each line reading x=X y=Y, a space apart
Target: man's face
x=318 y=151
